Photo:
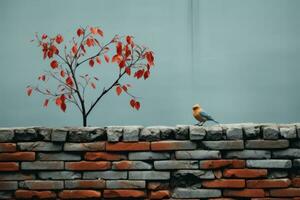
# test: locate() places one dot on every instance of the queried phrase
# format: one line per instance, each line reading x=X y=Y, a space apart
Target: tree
x=130 y=58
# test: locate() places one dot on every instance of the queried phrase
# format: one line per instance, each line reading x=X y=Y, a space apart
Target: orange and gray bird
x=201 y=116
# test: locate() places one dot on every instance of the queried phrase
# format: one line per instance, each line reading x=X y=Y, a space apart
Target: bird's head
x=196 y=107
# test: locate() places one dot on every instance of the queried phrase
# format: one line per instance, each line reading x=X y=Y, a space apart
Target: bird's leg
x=202 y=123
x=198 y=124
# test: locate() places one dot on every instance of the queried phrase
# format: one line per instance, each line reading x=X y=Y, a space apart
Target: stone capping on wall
x=227 y=161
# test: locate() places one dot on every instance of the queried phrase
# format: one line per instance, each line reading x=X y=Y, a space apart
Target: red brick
x=124 y=194
x=104 y=156
x=158 y=185
x=245 y=173
x=128 y=146
x=8 y=147
x=9 y=166
x=123 y=165
x=79 y=194
x=17 y=156
x=214 y=164
x=296 y=182
x=268 y=183
x=172 y=145
x=160 y=194
x=244 y=193
x=87 y=165
x=31 y=194
x=287 y=192
x=224 y=183
x=84 y=184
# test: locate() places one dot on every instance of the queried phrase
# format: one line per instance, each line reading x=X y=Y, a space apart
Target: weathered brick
x=42 y=165
x=149 y=175
x=27 y=134
x=58 y=156
x=158 y=185
x=288 y=132
x=124 y=194
x=214 y=133
x=182 y=132
x=268 y=183
x=275 y=163
x=167 y=132
x=130 y=165
x=214 y=164
x=8 y=185
x=87 y=165
x=39 y=146
x=17 y=156
x=270 y=132
x=30 y=194
x=6 y=194
x=90 y=146
x=6 y=135
x=105 y=175
x=8 y=147
x=84 y=184
x=287 y=192
x=131 y=133
x=79 y=194
x=150 y=134
x=176 y=164
x=41 y=185
x=200 y=174
x=172 y=145
x=195 y=193
x=296 y=163
x=267 y=144
x=148 y=156
x=251 y=132
x=296 y=182
x=128 y=146
x=160 y=194
x=59 y=135
x=286 y=153
x=104 y=156
x=197 y=154
x=248 y=154
x=9 y=166
x=224 y=183
x=224 y=144
x=65 y=175
x=277 y=173
x=114 y=133
x=197 y=132
x=245 y=173
x=125 y=184
x=16 y=176
x=45 y=133
x=234 y=133
x=86 y=134
x=244 y=193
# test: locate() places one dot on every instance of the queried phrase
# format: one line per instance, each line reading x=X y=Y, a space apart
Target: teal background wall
x=239 y=59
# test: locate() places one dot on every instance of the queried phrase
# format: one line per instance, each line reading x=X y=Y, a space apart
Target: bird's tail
x=215 y=121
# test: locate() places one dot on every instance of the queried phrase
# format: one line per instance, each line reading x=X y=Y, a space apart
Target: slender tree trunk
x=84 y=120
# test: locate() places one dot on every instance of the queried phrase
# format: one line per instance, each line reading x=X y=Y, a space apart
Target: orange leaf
x=128 y=71
x=91 y=62
x=93 y=30
x=74 y=49
x=98 y=60
x=118 y=90
x=137 y=105
x=100 y=32
x=58 y=101
x=106 y=58
x=59 y=39
x=29 y=91
x=132 y=103
x=54 y=64
x=117 y=58
x=62 y=73
x=46 y=102
x=93 y=85
x=80 y=32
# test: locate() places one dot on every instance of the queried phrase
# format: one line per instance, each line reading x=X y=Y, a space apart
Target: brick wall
x=240 y=161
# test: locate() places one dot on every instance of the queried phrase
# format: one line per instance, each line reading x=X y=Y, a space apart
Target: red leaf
x=98 y=60
x=124 y=88
x=46 y=102
x=119 y=48
x=59 y=39
x=93 y=85
x=106 y=58
x=146 y=74
x=122 y=64
x=117 y=58
x=83 y=49
x=100 y=32
x=69 y=81
x=128 y=71
x=29 y=91
x=58 y=101
x=93 y=30
x=149 y=57
x=80 y=32
x=54 y=64
x=132 y=103
x=62 y=73
x=44 y=36
x=90 y=42
x=63 y=107
x=74 y=49
x=138 y=74
x=91 y=62
x=128 y=39
x=118 y=90
x=137 y=105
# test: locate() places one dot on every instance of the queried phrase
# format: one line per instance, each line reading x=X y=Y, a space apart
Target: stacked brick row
x=239 y=161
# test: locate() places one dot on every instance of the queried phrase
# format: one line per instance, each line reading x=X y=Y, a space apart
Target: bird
x=201 y=116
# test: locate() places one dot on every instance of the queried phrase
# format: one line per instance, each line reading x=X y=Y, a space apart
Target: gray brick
x=176 y=164
x=85 y=184
x=148 y=156
x=65 y=175
x=41 y=185
x=130 y=165
x=27 y=134
x=288 y=132
x=197 y=154
x=6 y=195
x=149 y=175
x=91 y=146
x=267 y=144
x=8 y=185
x=214 y=133
x=6 y=135
x=234 y=133
x=150 y=133
x=197 y=132
x=59 y=135
x=286 y=153
x=45 y=133
x=200 y=174
x=248 y=154
x=195 y=193
x=224 y=145
x=16 y=176
x=273 y=174
x=125 y=184
x=39 y=146
x=182 y=132
x=269 y=163
x=42 y=165
x=86 y=134
x=251 y=132
x=58 y=156
x=167 y=132
x=110 y=175
x=270 y=133
x=114 y=133
x=296 y=163
x=131 y=133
